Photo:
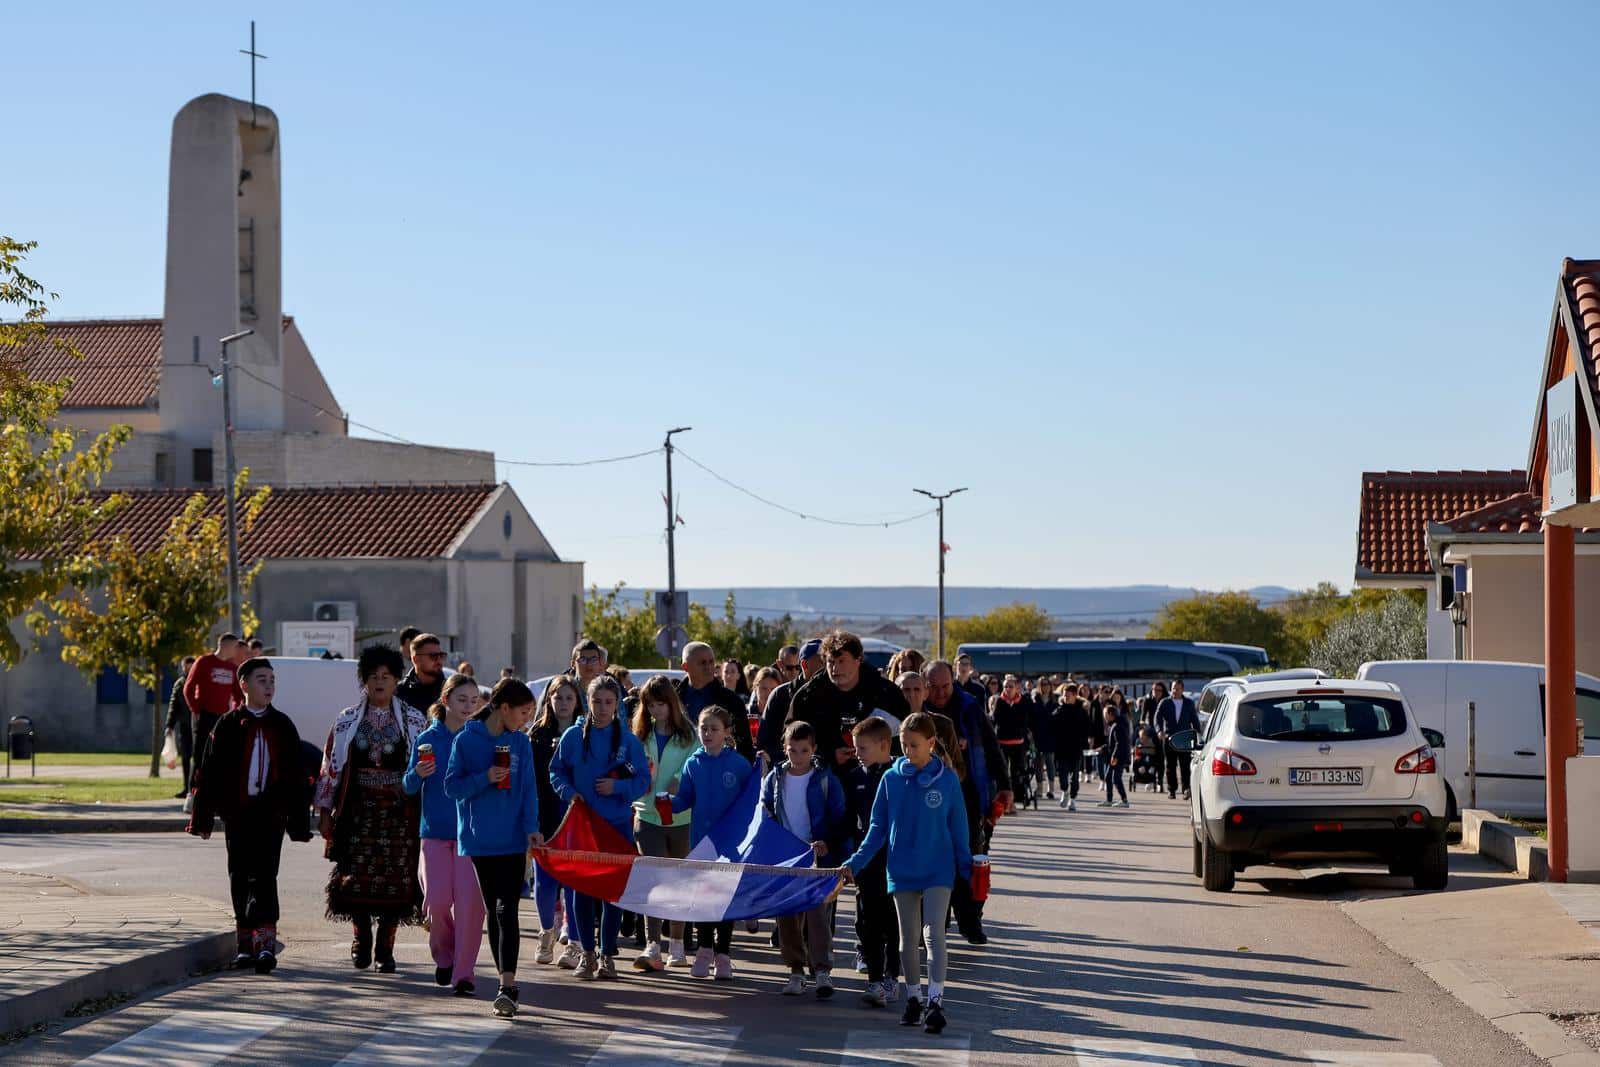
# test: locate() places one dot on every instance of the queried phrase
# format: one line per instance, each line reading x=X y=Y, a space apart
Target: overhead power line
x=795 y=511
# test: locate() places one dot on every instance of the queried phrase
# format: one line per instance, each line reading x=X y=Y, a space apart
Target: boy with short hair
x=876 y=924
x=807 y=800
x=252 y=773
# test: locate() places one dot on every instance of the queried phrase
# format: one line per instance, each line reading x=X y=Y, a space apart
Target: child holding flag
x=919 y=814
x=712 y=780
x=876 y=926
x=662 y=728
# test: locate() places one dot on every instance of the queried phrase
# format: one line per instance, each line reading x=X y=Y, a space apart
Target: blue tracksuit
x=824 y=803
x=439 y=813
x=709 y=784
x=920 y=815
x=491 y=821
x=610 y=753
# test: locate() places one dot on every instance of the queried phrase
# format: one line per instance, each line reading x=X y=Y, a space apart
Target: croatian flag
x=747 y=867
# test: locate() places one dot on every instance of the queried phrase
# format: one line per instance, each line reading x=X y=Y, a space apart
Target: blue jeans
x=545 y=888
x=610 y=923
x=1114 y=778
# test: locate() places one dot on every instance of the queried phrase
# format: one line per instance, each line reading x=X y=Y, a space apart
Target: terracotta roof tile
x=1396 y=507
x=1517 y=514
x=1586 y=297
x=121 y=365
x=354 y=522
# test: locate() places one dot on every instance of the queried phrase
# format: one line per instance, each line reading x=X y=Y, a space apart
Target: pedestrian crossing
x=667 y=1046
x=457 y=1041
x=188 y=1039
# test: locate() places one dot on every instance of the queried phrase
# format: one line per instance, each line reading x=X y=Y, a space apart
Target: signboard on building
x=1561 y=443
x=314 y=638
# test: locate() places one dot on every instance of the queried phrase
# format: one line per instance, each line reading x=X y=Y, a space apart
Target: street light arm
x=232 y=337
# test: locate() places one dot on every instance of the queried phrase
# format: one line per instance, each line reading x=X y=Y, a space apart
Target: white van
x=312 y=691
x=1510 y=724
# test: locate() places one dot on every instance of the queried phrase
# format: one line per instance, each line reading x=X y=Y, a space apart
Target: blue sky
x=1157 y=282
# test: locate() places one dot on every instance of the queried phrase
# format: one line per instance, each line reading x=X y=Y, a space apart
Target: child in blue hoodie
x=605 y=765
x=497 y=818
x=807 y=800
x=712 y=779
x=919 y=814
x=450 y=896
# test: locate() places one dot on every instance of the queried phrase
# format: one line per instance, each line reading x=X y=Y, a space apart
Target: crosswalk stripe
x=450 y=1041
x=912 y=1048
x=187 y=1039
x=1114 y=1053
x=667 y=1046
x=1373 y=1059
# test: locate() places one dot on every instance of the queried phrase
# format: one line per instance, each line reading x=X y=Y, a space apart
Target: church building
x=371 y=535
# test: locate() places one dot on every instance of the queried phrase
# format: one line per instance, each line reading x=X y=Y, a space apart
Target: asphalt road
x=1103 y=948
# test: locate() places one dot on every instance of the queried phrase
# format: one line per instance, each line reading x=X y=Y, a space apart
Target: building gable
x=1397 y=506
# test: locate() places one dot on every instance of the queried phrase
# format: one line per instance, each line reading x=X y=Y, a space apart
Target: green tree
x=625 y=626
x=143 y=611
x=48 y=503
x=1017 y=621
x=1231 y=617
x=1394 y=629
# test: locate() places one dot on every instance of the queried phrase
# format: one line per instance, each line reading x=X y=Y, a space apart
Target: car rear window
x=1321 y=718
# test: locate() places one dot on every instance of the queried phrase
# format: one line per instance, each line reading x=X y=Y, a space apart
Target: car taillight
x=1419 y=761
x=1225 y=762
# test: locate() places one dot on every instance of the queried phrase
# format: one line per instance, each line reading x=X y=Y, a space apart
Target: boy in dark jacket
x=807 y=800
x=876 y=925
x=252 y=773
x=1070 y=729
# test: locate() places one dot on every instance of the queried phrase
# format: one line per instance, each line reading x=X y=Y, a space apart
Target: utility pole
x=940 y=498
x=235 y=601
x=672 y=555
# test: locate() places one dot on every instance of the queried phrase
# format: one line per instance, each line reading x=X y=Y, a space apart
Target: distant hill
x=1114 y=602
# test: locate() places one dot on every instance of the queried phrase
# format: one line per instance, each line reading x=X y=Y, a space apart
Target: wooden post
x=1560 y=687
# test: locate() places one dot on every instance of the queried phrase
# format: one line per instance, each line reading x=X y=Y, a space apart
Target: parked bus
x=1124 y=660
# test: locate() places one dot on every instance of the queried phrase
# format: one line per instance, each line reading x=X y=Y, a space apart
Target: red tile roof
x=1586 y=295
x=354 y=522
x=1396 y=507
x=1517 y=514
x=121 y=365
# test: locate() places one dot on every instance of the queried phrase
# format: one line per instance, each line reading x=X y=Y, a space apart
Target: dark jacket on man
x=770 y=740
x=1072 y=729
x=982 y=753
x=715 y=693
x=419 y=694
x=830 y=710
x=1173 y=716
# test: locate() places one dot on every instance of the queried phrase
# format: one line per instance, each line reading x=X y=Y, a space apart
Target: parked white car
x=1212 y=694
x=1293 y=770
x=1510 y=724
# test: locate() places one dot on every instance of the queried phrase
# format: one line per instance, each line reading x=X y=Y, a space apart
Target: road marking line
x=1373 y=1059
x=667 y=1046
x=439 y=1041
x=187 y=1039
x=1115 y=1053
x=897 y=1046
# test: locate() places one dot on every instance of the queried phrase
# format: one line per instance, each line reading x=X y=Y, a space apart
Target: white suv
x=1290 y=770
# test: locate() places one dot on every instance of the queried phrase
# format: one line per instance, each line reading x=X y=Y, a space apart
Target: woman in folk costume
x=369 y=822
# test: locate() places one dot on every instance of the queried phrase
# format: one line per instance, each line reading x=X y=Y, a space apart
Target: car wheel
x=1216 y=867
x=1198 y=870
x=1400 y=866
x=1451 y=812
x=1431 y=866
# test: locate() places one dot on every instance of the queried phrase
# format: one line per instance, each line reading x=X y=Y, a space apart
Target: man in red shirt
x=211 y=691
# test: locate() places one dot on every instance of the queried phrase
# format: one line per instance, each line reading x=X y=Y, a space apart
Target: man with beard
x=847 y=691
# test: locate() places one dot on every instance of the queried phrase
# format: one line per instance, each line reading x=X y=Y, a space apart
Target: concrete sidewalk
x=125 y=817
x=1524 y=955
x=61 y=945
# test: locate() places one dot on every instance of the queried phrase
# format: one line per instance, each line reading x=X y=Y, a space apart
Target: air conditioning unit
x=333 y=611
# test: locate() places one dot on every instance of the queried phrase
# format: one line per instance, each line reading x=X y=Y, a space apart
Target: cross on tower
x=254 y=55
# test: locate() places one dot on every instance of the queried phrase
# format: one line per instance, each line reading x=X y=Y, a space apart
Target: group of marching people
x=432 y=798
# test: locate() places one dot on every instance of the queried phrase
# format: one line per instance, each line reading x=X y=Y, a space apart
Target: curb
x=1541 y=1035
x=82 y=825
x=1508 y=845
x=132 y=977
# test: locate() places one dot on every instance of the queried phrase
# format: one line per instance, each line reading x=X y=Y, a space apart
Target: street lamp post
x=672 y=555
x=940 y=498
x=235 y=601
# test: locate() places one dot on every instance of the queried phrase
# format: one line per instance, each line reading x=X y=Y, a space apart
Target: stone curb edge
x=128 y=978
x=81 y=825
x=1540 y=1034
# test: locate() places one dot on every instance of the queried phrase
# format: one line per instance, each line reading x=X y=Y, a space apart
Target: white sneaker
x=893 y=990
x=675 y=956
x=824 y=985
x=571 y=956
x=703 y=960
x=724 y=971
x=547 y=947
x=1104 y=804
x=795 y=986
x=650 y=959
x=188 y=804
x=588 y=967
x=1072 y=805
x=875 y=995
x=1124 y=803
x=1064 y=800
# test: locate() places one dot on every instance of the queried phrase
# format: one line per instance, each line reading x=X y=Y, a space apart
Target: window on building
x=202 y=466
x=111 y=687
x=163 y=468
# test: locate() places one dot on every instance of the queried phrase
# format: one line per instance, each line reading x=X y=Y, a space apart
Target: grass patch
x=94 y=759
x=96 y=1005
x=84 y=790
x=1534 y=827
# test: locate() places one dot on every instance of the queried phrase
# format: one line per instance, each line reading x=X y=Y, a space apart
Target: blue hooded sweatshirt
x=491 y=821
x=609 y=753
x=439 y=813
x=709 y=784
x=824 y=803
x=921 y=817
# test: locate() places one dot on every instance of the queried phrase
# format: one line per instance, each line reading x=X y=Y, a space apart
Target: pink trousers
x=454 y=907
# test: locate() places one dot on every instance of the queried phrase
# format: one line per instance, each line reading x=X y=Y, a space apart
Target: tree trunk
x=158 y=734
